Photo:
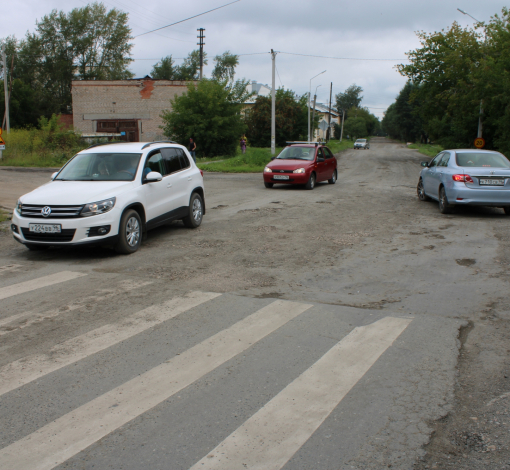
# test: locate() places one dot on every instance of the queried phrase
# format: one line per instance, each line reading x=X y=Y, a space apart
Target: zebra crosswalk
x=294 y=361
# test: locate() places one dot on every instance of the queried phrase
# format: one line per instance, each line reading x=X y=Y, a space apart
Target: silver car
x=466 y=177
x=361 y=144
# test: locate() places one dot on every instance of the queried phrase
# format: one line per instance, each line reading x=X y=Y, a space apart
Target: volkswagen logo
x=46 y=211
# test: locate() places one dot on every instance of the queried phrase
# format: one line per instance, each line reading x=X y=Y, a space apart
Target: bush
x=51 y=145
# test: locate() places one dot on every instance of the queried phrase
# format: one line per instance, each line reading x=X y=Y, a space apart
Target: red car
x=302 y=163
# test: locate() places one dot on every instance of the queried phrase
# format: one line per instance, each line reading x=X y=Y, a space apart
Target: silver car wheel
x=197 y=210
x=132 y=231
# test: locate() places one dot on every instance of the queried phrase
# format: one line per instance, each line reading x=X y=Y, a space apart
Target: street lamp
x=309 y=97
x=479 y=133
x=466 y=13
x=313 y=114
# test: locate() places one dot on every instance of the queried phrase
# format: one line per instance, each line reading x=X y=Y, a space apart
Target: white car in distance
x=111 y=194
x=361 y=144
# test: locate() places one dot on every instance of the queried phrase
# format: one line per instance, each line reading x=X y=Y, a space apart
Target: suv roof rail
x=104 y=143
x=303 y=142
x=148 y=144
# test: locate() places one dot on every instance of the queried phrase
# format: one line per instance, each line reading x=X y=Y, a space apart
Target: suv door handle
x=189 y=178
x=169 y=185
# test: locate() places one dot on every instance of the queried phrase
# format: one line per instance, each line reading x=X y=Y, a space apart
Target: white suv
x=111 y=194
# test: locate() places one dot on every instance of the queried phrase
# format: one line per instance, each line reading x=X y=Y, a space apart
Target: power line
x=278 y=75
x=191 y=17
x=339 y=58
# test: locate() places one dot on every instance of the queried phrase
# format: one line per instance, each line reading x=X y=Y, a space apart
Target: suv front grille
x=57 y=212
x=283 y=171
x=66 y=235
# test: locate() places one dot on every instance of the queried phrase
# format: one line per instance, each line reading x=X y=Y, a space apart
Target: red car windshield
x=297 y=153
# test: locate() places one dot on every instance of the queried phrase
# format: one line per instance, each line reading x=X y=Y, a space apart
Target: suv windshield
x=482 y=159
x=297 y=153
x=361 y=140
x=101 y=167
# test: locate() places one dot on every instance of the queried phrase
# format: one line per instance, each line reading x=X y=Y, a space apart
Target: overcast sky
x=354 y=29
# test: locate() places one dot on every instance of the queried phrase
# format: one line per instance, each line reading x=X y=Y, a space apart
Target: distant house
x=321 y=110
x=126 y=109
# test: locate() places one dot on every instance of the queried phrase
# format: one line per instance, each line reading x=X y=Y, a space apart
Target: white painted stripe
x=26 y=370
x=24 y=319
x=274 y=434
x=60 y=440
x=38 y=283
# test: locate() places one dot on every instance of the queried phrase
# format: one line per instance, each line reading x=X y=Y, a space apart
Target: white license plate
x=280 y=177
x=45 y=228
x=491 y=182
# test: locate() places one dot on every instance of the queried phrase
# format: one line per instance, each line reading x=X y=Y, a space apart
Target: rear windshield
x=297 y=153
x=482 y=159
x=101 y=167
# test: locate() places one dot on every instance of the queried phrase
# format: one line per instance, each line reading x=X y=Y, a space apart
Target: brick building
x=131 y=108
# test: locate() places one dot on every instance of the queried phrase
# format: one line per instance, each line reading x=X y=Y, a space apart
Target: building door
x=128 y=128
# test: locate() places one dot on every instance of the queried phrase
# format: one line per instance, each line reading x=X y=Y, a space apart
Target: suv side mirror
x=153 y=177
x=272 y=158
x=424 y=164
x=320 y=159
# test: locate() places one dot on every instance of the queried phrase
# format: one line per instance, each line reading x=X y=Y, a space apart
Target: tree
x=190 y=68
x=444 y=71
x=291 y=119
x=224 y=70
x=23 y=105
x=210 y=112
x=88 y=43
x=164 y=70
x=355 y=127
x=350 y=98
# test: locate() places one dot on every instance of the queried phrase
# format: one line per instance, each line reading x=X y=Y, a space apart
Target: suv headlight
x=267 y=170
x=299 y=170
x=18 y=206
x=96 y=208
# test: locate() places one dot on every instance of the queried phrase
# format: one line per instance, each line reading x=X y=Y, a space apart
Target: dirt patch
x=465 y=261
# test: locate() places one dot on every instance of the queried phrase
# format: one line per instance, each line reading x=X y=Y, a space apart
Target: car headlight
x=96 y=208
x=18 y=206
x=299 y=170
x=267 y=170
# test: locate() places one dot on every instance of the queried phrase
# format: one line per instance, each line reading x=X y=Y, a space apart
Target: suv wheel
x=130 y=233
x=311 y=182
x=196 y=211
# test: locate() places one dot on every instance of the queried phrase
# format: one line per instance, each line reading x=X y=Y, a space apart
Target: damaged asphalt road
x=359 y=251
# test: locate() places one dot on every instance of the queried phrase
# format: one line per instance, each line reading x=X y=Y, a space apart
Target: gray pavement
x=198 y=347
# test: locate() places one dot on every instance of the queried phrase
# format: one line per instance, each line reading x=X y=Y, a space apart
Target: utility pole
x=273 y=107
x=342 y=130
x=4 y=62
x=313 y=116
x=329 y=115
x=201 y=37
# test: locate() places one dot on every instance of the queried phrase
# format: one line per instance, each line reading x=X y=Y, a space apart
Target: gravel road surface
x=351 y=326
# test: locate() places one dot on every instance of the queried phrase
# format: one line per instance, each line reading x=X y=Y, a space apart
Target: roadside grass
x=255 y=159
x=39 y=148
x=430 y=150
x=4 y=216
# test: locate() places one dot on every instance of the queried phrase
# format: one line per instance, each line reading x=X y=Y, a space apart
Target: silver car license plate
x=492 y=182
x=280 y=177
x=45 y=228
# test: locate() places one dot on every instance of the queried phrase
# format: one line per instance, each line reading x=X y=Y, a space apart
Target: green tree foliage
x=164 y=69
x=355 y=127
x=291 y=119
x=224 y=69
x=402 y=120
x=22 y=111
x=88 y=43
x=444 y=70
x=210 y=112
x=350 y=98
x=190 y=68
